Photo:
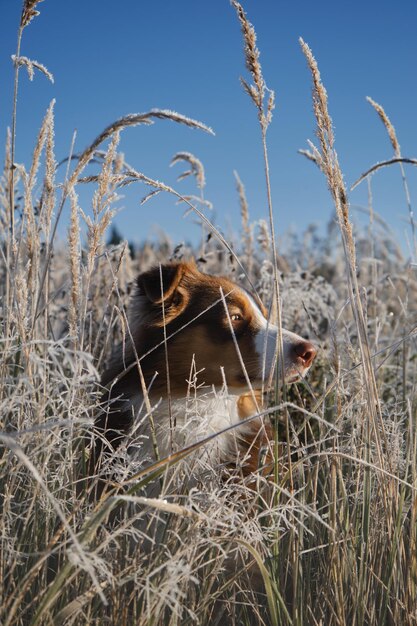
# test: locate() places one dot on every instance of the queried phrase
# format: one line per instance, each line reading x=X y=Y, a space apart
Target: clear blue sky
x=114 y=58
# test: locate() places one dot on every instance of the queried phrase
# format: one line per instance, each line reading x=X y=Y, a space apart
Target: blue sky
x=110 y=59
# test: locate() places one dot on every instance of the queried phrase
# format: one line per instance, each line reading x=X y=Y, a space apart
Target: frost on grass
x=187 y=557
x=334 y=530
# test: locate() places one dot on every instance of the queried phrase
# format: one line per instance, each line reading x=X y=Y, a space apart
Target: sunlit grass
x=331 y=538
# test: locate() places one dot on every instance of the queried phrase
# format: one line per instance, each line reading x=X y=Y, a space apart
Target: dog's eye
x=235 y=317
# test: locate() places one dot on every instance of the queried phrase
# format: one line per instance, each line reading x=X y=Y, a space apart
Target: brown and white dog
x=178 y=317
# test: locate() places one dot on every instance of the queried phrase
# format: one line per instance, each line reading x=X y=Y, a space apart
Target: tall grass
x=331 y=539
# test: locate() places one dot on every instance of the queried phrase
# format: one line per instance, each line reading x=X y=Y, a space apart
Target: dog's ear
x=164 y=288
x=160 y=283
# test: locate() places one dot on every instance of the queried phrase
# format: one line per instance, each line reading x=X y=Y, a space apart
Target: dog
x=182 y=320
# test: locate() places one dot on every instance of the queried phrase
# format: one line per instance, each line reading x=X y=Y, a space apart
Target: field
x=330 y=541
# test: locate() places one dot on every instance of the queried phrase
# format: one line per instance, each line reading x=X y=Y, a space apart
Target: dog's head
x=214 y=322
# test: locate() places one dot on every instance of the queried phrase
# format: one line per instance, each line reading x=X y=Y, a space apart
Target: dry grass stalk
x=397 y=152
x=32 y=227
x=21 y=315
x=257 y=91
x=380 y=165
x=29 y=11
x=133 y=119
x=248 y=246
x=74 y=258
x=31 y=65
x=309 y=155
x=47 y=203
x=264 y=237
x=331 y=169
x=103 y=198
x=196 y=170
x=191 y=198
x=150 y=195
x=313 y=154
x=388 y=125
x=97 y=226
x=4 y=194
x=48 y=193
x=122 y=275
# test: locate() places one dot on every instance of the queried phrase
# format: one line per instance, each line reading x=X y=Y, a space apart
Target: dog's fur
x=180 y=316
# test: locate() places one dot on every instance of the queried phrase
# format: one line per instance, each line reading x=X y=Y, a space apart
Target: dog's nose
x=306 y=351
